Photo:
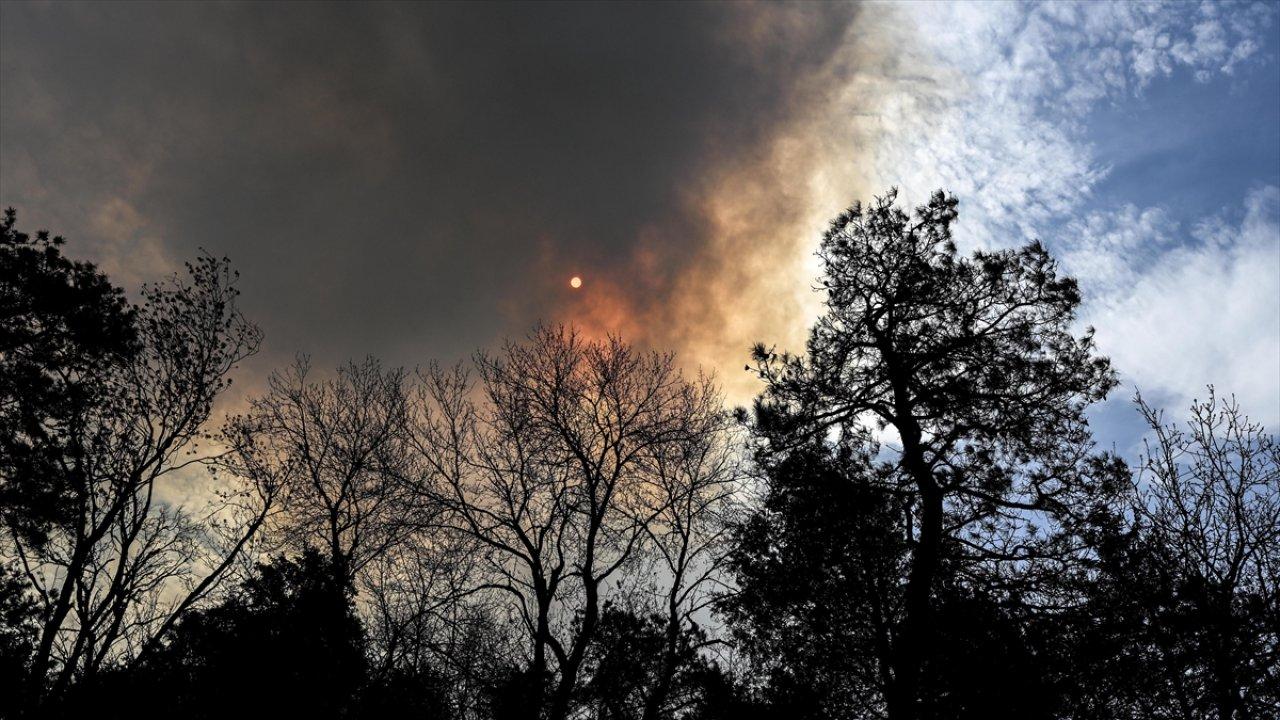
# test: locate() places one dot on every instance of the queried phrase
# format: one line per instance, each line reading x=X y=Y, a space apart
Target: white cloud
x=1108 y=250
x=1204 y=313
x=959 y=107
x=990 y=99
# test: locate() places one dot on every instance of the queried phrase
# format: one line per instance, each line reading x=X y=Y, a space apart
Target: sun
x=575 y=282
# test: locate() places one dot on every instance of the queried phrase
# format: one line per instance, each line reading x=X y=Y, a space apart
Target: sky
x=418 y=181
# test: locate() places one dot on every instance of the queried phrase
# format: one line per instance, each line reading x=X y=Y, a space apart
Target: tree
x=111 y=564
x=62 y=323
x=553 y=473
x=634 y=671
x=337 y=449
x=817 y=567
x=690 y=496
x=1187 y=599
x=971 y=363
x=1212 y=501
x=288 y=638
x=19 y=628
x=423 y=619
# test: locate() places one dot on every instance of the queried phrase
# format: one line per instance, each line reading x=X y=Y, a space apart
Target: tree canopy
x=915 y=522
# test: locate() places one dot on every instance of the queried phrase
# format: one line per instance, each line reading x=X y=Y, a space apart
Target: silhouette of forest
x=913 y=521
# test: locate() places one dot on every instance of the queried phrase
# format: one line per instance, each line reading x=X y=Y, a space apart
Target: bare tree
x=336 y=448
x=554 y=470
x=691 y=491
x=412 y=603
x=1210 y=510
x=127 y=562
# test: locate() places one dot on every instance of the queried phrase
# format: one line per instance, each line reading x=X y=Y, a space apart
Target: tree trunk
x=539 y=680
x=910 y=649
x=654 y=703
x=41 y=661
x=573 y=663
x=916 y=628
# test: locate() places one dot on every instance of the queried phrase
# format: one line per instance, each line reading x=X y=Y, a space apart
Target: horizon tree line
x=913 y=521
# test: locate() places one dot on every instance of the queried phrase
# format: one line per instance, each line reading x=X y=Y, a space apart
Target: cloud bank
x=1202 y=313
x=417 y=181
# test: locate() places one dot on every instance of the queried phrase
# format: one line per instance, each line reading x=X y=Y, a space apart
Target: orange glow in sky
x=575 y=282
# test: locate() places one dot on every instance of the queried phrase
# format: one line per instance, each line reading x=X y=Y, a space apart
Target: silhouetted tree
x=934 y=535
x=63 y=325
x=722 y=696
x=972 y=364
x=634 y=671
x=19 y=628
x=1185 y=613
x=103 y=417
x=554 y=474
x=817 y=567
x=619 y=670
x=422 y=617
x=690 y=495
x=993 y=656
x=336 y=448
x=339 y=449
x=418 y=692
x=1211 y=500
x=515 y=693
x=287 y=643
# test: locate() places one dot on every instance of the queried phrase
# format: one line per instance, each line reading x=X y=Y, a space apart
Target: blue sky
x=1192 y=147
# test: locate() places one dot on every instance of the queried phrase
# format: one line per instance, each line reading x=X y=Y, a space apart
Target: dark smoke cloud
x=412 y=180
